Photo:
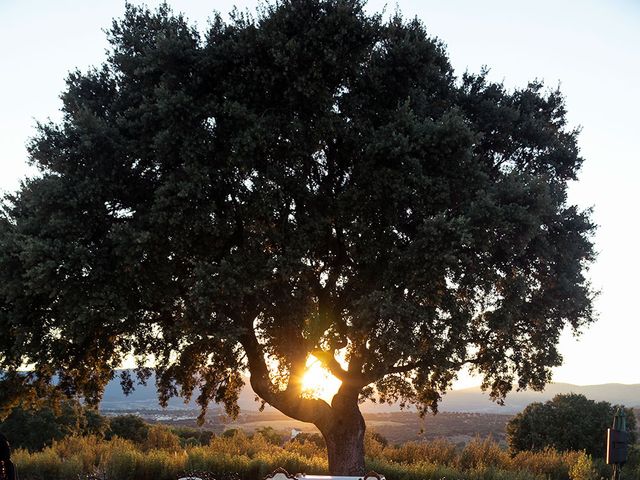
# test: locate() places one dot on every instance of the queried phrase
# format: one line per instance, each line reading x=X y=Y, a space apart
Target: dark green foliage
x=633 y=460
x=129 y=427
x=193 y=436
x=96 y=424
x=36 y=428
x=312 y=181
x=567 y=422
x=271 y=435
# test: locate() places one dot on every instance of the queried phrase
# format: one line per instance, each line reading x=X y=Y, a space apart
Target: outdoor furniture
x=282 y=474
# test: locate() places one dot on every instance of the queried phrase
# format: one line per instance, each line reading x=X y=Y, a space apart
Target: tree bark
x=345 y=447
x=344 y=436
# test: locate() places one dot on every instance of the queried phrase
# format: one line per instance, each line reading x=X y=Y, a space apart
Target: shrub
x=129 y=427
x=305 y=448
x=440 y=452
x=480 y=453
x=271 y=435
x=44 y=465
x=373 y=447
x=550 y=463
x=39 y=427
x=122 y=464
x=160 y=465
x=583 y=468
x=240 y=443
x=161 y=437
x=193 y=436
x=314 y=438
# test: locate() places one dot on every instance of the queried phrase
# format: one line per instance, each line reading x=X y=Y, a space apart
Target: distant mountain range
x=465 y=400
x=473 y=400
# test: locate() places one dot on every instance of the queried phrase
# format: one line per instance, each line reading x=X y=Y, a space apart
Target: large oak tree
x=311 y=181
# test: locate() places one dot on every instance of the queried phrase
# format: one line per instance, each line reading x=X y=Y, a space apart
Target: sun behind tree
x=318 y=382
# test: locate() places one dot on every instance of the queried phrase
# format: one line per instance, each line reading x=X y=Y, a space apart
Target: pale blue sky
x=592 y=48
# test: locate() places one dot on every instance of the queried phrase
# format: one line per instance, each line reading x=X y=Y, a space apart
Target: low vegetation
x=166 y=453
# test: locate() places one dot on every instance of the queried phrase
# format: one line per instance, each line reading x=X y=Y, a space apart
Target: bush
x=313 y=438
x=550 y=463
x=271 y=436
x=160 y=465
x=87 y=450
x=122 y=464
x=129 y=427
x=305 y=448
x=37 y=428
x=583 y=468
x=439 y=452
x=161 y=437
x=193 y=436
x=241 y=444
x=207 y=460
x=44 y=465
x=480 y=453
x=373 y=447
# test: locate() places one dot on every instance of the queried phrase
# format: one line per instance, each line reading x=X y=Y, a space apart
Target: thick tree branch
x=330 y=363
x=289 y=402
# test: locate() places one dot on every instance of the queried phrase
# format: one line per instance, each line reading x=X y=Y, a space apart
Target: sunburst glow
x=317 y=382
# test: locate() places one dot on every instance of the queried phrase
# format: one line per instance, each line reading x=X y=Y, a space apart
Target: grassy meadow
x=164 y=456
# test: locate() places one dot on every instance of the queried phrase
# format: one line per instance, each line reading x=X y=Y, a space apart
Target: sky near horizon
x=590 y=48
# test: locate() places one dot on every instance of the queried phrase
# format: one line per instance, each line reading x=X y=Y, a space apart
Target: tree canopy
x=567 y=422
x=310 y=181
x=36 y=428
x=130 y=427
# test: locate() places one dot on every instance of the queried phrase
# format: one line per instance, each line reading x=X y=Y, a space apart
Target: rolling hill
x=465 y=400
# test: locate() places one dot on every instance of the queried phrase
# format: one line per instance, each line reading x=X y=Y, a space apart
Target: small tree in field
x=130 y=427
x=567 y=422
x=314 y=181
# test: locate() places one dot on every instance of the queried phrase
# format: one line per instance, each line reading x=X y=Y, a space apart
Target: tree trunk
x=341 y=423
x=344 y=436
